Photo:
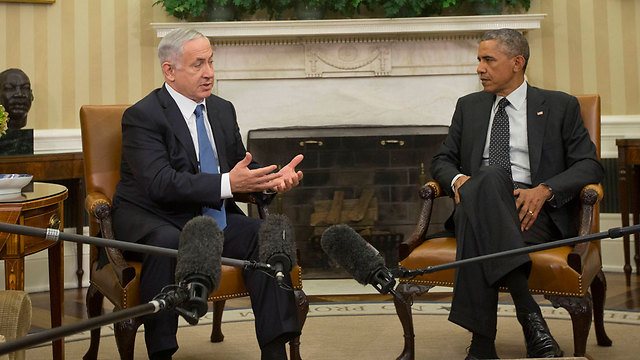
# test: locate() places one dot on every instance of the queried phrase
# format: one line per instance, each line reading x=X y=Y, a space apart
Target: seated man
x=182 y=156
x=517 y=153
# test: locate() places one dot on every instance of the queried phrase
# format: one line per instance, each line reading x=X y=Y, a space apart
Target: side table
x=41 y=207
x=52 y=167
x=629 y=182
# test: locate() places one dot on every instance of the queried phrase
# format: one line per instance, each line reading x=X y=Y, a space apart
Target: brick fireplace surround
x=359 y=86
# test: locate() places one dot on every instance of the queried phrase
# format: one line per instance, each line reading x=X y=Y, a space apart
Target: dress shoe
x=471 y=357
x=162 y=355
x=540 y=343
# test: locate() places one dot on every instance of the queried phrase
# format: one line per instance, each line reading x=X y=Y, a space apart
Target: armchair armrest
x=590 y=196
x=261 y=199
x=99 y=207
x=428 y=193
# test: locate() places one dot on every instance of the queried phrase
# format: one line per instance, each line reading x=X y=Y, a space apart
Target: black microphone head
x=353 y=253
x=276 y=241
x=200 y=252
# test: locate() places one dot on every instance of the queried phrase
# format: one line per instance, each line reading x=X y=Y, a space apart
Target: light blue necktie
x=208 y=164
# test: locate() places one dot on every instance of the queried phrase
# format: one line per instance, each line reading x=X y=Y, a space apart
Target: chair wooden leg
x=599 y=293
x=580 y=310
x=216 y=325
x=302 y=304
x=125 y=334
x=403 y=304
x=94 y=308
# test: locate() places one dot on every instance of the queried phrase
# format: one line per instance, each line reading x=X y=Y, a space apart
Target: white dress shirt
x=518 y=139
x=187 y=108
x=518 y=143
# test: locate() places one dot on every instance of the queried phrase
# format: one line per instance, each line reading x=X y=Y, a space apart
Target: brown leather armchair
x=563 y=275
x=119 y=280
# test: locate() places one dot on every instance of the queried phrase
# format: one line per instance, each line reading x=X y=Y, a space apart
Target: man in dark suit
x=182 y=156
x=514 y=160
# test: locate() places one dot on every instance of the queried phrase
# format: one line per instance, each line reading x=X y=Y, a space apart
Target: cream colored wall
x=589 y=46
x=81 y=52
x=103 y=52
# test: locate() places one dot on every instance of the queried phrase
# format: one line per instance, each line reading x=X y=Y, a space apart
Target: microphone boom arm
x=56 y=235
x=611 y=233
x=91 y=323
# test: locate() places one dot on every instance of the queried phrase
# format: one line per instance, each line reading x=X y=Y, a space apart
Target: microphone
x=346 y=247
x=276 y=244
x=199 y=263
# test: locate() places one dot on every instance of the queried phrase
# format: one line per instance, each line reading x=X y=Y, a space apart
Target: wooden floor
x=619 y=296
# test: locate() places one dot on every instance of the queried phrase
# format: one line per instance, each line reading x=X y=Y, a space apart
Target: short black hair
x=512 y=42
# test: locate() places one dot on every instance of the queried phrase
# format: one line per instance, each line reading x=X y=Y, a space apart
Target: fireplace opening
x=364 y=176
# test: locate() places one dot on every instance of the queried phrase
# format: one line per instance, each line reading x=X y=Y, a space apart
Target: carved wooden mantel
x=401 y=71
x=254 y=30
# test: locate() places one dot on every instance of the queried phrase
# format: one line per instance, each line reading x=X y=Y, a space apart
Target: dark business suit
x=161 y=188
x=561 y=155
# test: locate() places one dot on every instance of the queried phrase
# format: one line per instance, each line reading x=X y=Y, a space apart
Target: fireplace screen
x=363 y=176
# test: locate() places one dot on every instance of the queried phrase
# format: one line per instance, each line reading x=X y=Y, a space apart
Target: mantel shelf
x=448 y=25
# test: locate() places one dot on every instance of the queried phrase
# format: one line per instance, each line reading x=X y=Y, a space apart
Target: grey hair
x=170 y=47
x=513 y=43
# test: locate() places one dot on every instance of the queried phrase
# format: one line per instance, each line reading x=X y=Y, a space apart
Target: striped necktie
x=208 y=164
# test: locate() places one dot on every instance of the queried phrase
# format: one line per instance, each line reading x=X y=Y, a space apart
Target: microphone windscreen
x=200 y=250
x=353 y=253
x=276 y=239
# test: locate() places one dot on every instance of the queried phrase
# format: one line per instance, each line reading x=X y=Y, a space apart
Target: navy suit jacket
x=160 y=181
x=561 y=153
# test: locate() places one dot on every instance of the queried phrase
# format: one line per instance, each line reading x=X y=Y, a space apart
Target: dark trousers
x=486 y=221
x=273 y=307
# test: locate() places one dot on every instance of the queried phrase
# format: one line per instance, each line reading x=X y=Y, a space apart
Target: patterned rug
x=370 y=330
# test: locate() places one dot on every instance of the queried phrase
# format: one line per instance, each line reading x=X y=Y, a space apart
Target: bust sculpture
x=16 y=96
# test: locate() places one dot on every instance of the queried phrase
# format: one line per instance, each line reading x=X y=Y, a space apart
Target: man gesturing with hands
x=183 y=156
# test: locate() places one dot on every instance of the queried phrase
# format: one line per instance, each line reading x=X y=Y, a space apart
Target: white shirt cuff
x=225 y=187
x=454 y=181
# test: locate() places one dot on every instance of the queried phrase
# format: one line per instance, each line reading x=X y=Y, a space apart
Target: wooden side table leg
x=635 y=210
x=78 y=215
x=56 y=293
x=624 y=210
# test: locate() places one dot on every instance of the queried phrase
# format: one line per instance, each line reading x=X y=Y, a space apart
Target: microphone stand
x=55 y=235
x=168 y=300
x=611 y=233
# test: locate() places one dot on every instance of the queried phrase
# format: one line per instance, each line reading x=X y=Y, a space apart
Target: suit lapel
x=177 y=123
x=480 y=129
x=537 y=114
x=213 y=113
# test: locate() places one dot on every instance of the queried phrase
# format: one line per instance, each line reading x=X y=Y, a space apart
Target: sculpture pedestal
x=17 y=142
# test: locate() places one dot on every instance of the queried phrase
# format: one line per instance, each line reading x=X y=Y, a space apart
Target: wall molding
x=289 y=31
x=616 y=127
x=57 y=141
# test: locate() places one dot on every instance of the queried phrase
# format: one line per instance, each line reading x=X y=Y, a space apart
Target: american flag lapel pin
x=540 y=113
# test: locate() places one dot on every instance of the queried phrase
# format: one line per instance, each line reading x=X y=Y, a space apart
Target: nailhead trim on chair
x=101 y=290
x=424 y=282
x=226 y=297
x=98 y=203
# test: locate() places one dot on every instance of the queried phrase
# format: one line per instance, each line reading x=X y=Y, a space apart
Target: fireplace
x=365 y=176
x=401 y=77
